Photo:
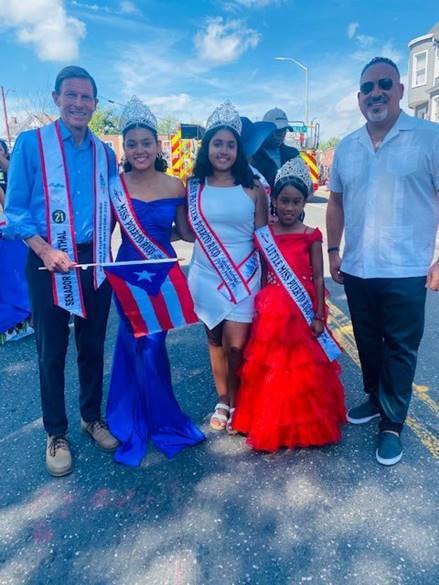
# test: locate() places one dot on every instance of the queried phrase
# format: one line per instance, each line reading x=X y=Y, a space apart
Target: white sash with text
x=67 y=290
x=234 y=279
x=127 y=219
x=293 y=287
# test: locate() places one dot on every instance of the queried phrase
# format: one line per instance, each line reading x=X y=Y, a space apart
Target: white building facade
x=423 y=75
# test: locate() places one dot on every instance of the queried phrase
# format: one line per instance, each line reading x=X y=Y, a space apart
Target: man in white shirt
x=385 y=196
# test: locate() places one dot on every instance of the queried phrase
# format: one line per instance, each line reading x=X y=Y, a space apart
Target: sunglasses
x=384 y=84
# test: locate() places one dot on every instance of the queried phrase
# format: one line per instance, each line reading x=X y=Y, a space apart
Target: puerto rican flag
x=153 y=297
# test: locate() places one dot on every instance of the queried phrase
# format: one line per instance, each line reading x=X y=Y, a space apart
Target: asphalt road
x=219 y=513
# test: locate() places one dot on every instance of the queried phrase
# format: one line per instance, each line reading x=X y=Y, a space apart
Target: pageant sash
x=67 y=290
x=293 y=286
x=128 y=221
x=248 y=268
x=152 y=300
x=102 y=209
x=235 y=284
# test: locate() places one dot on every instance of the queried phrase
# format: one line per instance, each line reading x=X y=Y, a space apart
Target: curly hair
x=240 y=170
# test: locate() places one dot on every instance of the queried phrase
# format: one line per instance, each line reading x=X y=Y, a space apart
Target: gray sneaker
x=58 y=456
x=100 y=434
x=389 y=450
x=363 y=413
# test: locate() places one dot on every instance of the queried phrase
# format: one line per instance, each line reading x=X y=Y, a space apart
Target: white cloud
x=84 y=6
x=365 y=41
x=389 y=51
x=370 y=47
x=386 y=50
x=127 y=7
x=182 y=106
x=238 y=6
x=348 y=104
x=45 y=25
x=223 y=42
x=352 y=29
x=255 y=3
x=164 y=81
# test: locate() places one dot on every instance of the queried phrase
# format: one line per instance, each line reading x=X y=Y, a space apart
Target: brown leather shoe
x=100 y=434
x=58 y=456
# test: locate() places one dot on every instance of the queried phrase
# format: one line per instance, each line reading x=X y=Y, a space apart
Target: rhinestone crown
x=225 y=115
x=295 y=167
x=137 y=113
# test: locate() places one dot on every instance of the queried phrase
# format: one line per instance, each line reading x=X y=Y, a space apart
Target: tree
x=331 y=143
x=167 y=125
x=104 y=122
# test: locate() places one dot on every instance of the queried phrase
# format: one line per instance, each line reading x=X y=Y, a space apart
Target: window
x=419 y=73
x=436 y=65
x=435 y=109
x=421 y=111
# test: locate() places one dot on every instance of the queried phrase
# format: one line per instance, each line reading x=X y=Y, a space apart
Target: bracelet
x=333 y=249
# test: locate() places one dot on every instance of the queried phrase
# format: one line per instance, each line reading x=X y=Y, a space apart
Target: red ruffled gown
x=290 y=393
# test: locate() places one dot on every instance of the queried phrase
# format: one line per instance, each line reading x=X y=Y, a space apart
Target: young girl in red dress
x=290 y=393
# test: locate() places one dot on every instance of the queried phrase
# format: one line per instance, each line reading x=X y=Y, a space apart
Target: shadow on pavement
x=317 y=199
x=218 y=513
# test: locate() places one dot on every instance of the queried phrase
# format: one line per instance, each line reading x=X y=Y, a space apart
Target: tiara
x=136 y=113
x=295 y=167
x=225 y=115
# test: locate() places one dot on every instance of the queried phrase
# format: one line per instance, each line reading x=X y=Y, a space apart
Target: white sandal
x=221 y=418
x=229 y=428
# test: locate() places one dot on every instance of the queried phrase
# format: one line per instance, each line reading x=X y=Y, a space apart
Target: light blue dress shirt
x=390 y=199
x=25 y=206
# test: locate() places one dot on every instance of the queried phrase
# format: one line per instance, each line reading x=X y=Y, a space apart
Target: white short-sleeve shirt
x=390 y=199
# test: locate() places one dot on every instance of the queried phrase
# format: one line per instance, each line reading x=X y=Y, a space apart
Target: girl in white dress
x=226 y=204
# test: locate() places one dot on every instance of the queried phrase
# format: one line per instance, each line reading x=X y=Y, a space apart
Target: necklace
x=377 y=143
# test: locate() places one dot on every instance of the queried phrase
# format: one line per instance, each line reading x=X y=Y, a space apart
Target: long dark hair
x=160 y=163
x=240 y=170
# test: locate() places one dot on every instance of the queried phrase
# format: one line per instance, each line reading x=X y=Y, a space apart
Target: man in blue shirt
x=57 y=187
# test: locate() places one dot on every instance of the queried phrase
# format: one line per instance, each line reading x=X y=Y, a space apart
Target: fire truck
x=180 y=149
x=306 y=139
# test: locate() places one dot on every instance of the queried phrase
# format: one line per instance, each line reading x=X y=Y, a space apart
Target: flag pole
x=123 y=263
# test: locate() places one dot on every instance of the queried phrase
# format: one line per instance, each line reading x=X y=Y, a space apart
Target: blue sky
x=184 y=57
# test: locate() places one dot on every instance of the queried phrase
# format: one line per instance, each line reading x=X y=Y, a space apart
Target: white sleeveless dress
x=231 y=214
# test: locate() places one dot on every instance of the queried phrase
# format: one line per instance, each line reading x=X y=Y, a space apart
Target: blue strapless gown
x=14 y=296
x=141 y=403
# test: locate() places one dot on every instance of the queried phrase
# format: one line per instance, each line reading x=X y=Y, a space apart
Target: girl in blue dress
x=141 y=402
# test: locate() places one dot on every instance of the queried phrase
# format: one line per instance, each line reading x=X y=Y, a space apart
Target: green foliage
x=167 y=125
x=331 y=143
x=104 y=122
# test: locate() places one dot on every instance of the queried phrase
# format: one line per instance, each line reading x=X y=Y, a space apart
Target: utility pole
x=306 y=70
x=5 y=113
